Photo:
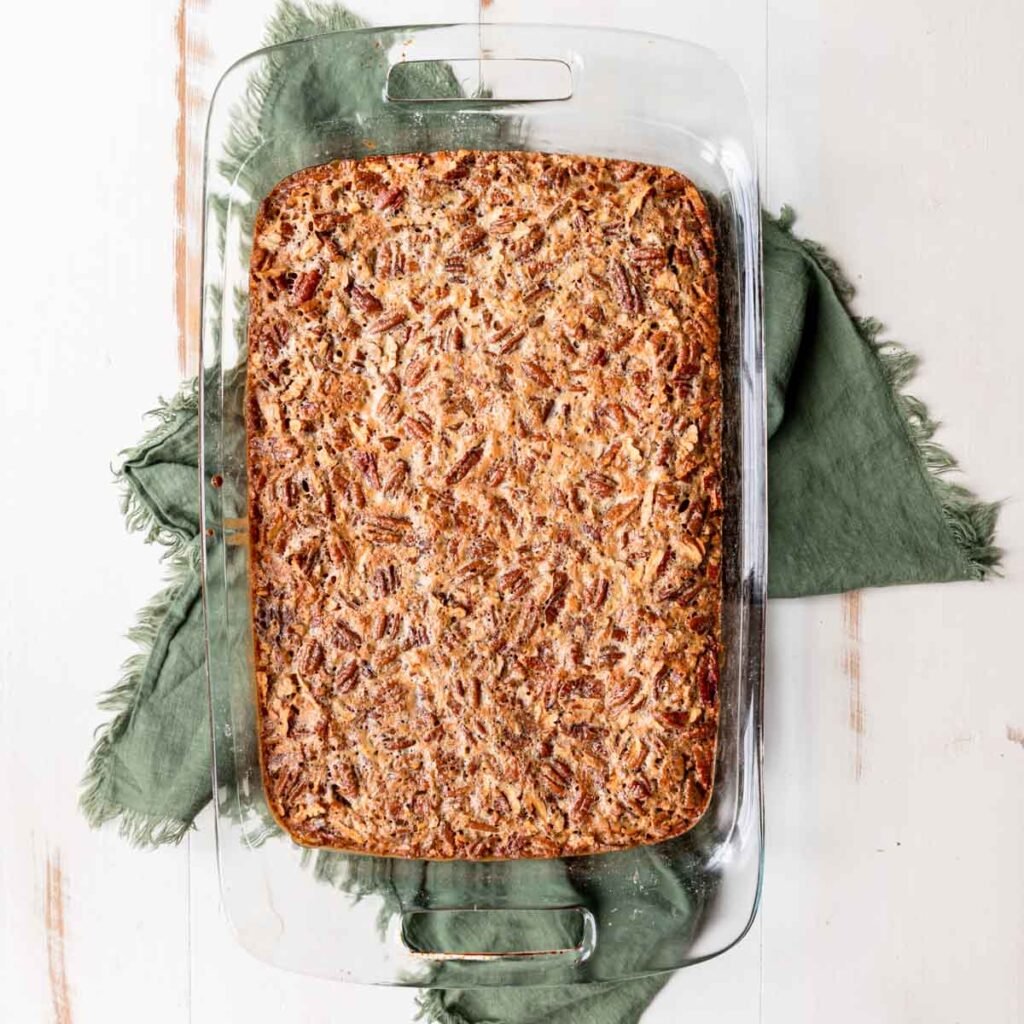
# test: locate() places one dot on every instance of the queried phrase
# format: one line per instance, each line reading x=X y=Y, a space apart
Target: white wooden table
x=895 y=719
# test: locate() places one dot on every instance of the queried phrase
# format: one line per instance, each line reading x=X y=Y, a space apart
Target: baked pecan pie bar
x=484 y=445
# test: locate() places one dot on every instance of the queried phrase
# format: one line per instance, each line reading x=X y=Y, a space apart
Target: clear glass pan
x=575 y=90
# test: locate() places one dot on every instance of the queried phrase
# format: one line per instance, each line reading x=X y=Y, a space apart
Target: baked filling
x=484 y=454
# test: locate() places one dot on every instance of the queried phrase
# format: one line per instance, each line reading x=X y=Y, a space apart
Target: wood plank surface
x=894 y=728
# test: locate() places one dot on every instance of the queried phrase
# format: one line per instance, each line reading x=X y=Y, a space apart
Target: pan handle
x=482 y=80
x=577 y=923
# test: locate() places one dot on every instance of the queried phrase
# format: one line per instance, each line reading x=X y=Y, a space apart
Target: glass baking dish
x=558 y=89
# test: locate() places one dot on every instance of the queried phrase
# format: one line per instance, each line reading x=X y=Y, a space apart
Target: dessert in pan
x=484 y=458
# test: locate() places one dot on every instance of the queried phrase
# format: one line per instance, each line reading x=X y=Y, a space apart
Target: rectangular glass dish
x=596 y=92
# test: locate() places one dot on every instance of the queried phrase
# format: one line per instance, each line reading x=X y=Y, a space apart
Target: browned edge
x=851 y=666
x=56 y=940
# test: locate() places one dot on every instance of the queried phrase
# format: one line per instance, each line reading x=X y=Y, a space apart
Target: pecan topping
x=389 y=199
x=367 y=465
x=486 y=504
x=603 y=485
x=416 y=371
x=537 y=373
x=623 y=693
x=597 y=594
x=367 y=179
x=311 y=658
x=457 y=173
x=451 y=338
x=365 y=300
x=346 y=678
x=652 y=257
x=464 y=465
x=326 y=220
x=305 y=286
x=388 y=322
x=347 y=781
x=455 y=267
x=388 y=409
x=707 y=677
x=470 y=239
x=515 y=583
x=503 y=224
x=556 y=599
x=420 y=426
x=617 y=515
x=345 y=637
x=530 y=242
x=505 y=339
x=386 y=581
x=386 y=529
x=627 y=294
x=394 y=482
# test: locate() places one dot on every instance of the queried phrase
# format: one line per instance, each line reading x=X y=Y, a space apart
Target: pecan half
x=386 y=529
x=529 y=243
x=597 y=593
x=514 y=583
x=627 y=294
x=346 y=677
x=389 y=199
x=506 y=338
x=707 y=677
x=651 y=257
x=311 y=657
x=601 y=484
x=455 y=267
x=345 y=637
x=556 y=599
x=347 y=782
x=420 y=426
x=365 y=300
x=535 y=372
x=367 y=179
x=622 y=694
x=416 y=371
x=470 y=238
x=306 y=285
x=387 y=322
x=461 y=468
x=394 y=482
x=366 y=463
x=326 y=220
x=457 y=173
x=503 y=224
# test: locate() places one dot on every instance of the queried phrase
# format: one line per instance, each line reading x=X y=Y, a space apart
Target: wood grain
x=851 y=667
x=192 y=52
x=56 y=940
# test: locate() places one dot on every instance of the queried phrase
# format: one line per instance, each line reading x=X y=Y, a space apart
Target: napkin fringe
x=182 y=556
x=96 y=800
x=970 y=521
x=138 y=516
x=289 y=22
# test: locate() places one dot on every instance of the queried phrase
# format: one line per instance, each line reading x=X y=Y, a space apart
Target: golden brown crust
x=484 y=420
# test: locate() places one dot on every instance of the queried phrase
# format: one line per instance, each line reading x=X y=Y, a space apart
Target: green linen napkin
x=856 y=499
x=856 y=491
